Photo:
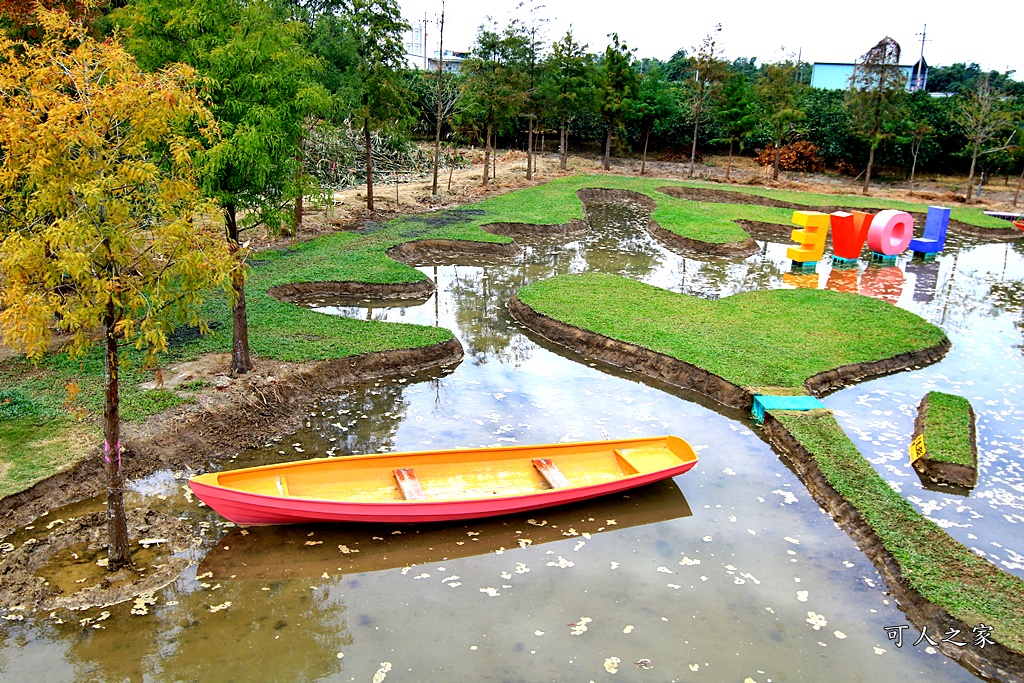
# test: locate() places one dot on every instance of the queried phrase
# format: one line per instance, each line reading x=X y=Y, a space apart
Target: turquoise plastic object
x=763 y=403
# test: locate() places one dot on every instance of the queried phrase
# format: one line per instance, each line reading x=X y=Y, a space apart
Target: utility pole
x=424 y=41
x=922 y=78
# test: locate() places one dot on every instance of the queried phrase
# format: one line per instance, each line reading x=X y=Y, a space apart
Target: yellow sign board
x=917 y=448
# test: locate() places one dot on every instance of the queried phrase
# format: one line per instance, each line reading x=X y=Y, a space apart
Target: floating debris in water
x=382 y=672
x=580 y=626
x=611 y=665
x=816 y=620
x=644 y=664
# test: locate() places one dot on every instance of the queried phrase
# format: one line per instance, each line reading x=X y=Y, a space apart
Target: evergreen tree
x=378 y=97
x=496 y=79
x=567 y=87
x=737 y=114
x=655 y=101
x=778 y=93
x=876 y=97
x=258 y=81
x=617 y=87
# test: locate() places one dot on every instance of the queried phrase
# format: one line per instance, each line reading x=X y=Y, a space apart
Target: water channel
x=730 y=573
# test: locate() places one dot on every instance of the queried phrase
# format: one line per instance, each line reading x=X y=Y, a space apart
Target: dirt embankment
x=727 y=197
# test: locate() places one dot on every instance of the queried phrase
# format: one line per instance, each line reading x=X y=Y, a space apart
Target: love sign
x=888 y=233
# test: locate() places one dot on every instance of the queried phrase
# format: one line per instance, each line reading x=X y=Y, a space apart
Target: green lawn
x=947 y=429
x=775 y=338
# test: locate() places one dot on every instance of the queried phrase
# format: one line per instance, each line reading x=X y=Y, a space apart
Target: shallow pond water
x=730 y=572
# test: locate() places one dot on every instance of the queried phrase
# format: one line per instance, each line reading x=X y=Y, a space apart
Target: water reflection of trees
x=618 y=243
x=367 y=419
x=270 y=631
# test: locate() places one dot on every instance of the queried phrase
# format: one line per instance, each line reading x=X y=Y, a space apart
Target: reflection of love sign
x=887 y=233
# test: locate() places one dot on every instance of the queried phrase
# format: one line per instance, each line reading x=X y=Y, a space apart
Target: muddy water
x=731 y=572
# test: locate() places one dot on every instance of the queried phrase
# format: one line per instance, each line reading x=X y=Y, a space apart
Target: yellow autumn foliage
x=101 y=219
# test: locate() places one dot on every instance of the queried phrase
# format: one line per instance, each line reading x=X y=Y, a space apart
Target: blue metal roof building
x=836 y=76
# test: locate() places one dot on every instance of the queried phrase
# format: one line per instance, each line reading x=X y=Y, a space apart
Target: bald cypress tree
x=877 y=97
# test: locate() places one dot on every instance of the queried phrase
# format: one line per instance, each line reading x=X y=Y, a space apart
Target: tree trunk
x=913 y=167
x=643 y=162
x=563 y=141
x=728 y=166
x=117 y=525
x=440 y=82
x=1019 y=183
x=240 y=361
x=693 y=148
x=529 y=150
x=437 y=147
x=487 y=153
x=298 y=199
x=608 y=148
x=451 y=172
x=970 y=177
x=369 y=164
x=867 y=173
x=778 y=151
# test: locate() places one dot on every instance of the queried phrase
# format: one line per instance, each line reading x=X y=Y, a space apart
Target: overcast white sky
x=989 y=33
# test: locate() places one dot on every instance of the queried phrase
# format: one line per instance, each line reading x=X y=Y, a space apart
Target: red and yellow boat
x=432 y=486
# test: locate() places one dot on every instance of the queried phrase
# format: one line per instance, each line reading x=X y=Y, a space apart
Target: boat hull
x=251 y=508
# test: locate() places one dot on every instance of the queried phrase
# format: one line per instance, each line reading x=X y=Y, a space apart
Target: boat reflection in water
x=310 y=550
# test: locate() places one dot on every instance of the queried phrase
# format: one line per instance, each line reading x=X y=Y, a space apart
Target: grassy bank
x=774 y=338
x=947 y=429
x=942 y=570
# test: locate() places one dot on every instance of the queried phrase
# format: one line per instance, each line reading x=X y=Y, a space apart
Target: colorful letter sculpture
x=890 y=232
x=812 y=237
x=935 y=226
x=849 y=230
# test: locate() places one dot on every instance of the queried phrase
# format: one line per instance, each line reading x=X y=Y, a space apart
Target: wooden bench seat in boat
x=550 y=472
x=409 y=484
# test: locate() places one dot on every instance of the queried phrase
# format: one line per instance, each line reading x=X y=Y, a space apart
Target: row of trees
x=702 y=102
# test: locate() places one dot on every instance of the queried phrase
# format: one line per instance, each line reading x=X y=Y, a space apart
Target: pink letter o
x=890 y=232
